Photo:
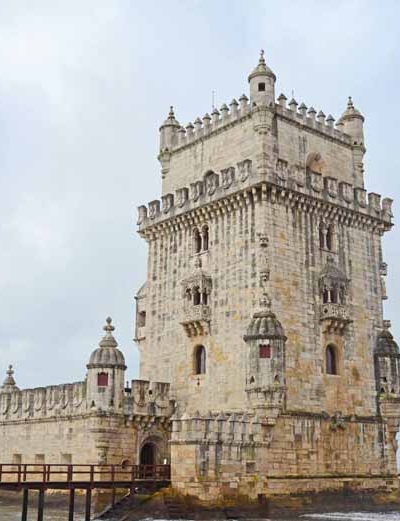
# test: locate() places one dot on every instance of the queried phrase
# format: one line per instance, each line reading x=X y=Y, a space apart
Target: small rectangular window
x=102 y=379
x=39 y=459
x=17 y=459
x=265 y=351
x=261 y=87
x=66 y=459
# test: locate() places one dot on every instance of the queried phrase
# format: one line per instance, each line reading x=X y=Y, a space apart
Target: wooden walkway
x=44 y=477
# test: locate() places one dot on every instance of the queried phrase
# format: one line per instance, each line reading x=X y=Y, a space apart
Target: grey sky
x=83 y=89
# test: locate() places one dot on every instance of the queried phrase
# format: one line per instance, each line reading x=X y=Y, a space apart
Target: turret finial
x=9 y=382
x=350 y=104
x=265 y=301
x=262 y=59
x=108 y=327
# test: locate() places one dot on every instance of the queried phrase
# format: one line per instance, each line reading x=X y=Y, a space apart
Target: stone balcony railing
x=199 y=312
x=337 y=316
x=196 y=320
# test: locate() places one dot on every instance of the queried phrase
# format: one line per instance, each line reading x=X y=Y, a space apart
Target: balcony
x=335 y=317
x=196 y=320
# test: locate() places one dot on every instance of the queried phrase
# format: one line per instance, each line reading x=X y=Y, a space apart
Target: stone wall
x=295 y=262
x=57 y=424
x=239 y=455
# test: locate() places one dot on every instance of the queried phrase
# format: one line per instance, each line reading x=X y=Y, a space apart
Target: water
x=354 y=516
x=12 y=512
x=52 y=513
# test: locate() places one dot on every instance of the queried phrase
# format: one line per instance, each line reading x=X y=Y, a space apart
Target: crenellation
x=44 y=402
x=229 y=181
x=266 y=365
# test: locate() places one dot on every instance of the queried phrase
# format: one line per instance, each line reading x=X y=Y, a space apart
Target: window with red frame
x=102 y=379
x=265 y=351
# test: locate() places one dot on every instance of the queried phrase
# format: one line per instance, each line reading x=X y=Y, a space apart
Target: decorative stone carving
x=360 y=197
x=387 y=365
x=315 y=181
x=331 y=186
x=227 y=177
x=337 y=421
x=244 y=168
x=167 y=202
x=265 y=362
x=197 y=189
x=383 y=273
x=182 y=197
x=334 y=312
x=387 y=213
x=299 y=175
x=142 y=214
x=196 y=294
x=374 y=201
x=211 y=181
x=346 y=192
x=282 y=170
x=154 y=209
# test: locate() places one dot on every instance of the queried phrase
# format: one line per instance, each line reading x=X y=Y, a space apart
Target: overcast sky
x=84 y=86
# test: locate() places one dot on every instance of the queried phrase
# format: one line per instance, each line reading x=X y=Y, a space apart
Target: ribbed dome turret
x=264 y=324
x=385 y=343
x=171 y=121
x=9 y=384
x=107 y=354
x=350 y=113
x=261 y=69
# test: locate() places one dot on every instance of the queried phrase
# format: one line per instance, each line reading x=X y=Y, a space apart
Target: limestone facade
x=97 y=421
x=266 y=364
x=263 y=301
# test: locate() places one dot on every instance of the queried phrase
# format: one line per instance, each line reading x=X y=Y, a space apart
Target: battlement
x=311 y=120
x=226 y=117
x=142 y=398
x=44 y=402
x=221 y=427
x=148 y=399
x=289 y=178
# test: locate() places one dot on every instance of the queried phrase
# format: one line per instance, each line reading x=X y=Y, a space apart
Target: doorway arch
x=148 y=454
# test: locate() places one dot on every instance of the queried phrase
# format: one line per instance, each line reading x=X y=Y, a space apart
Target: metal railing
x=70 y=474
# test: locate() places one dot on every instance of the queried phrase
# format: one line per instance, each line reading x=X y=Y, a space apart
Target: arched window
x=205 y=238
x=204 y=298
x=141 y=318
x=331 y=360
x=200 y=360
x=196 y=241
x=102 y=380
x=196 y=297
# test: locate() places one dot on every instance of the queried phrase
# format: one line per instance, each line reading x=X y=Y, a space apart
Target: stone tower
x=263 y=301
x=106 y=373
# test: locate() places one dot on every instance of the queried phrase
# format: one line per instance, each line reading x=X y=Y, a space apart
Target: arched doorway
x=148 y=454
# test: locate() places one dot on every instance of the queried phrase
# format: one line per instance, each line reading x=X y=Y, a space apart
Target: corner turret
x=351 y=122
x=265 y=372
x=106 y=373
x=169 y=131
x=262 y=84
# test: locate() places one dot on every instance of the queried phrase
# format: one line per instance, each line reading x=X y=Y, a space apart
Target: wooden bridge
x=27 y=477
